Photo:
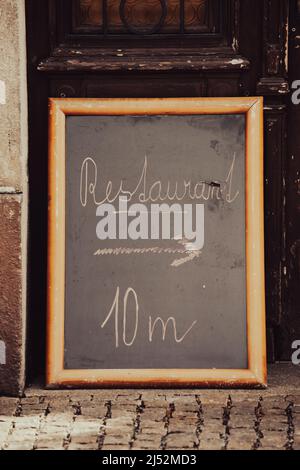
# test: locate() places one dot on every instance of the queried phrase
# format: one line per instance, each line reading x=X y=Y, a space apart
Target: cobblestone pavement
x=156 y=419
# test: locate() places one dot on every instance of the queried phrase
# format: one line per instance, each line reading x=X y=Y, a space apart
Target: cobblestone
x=155 y=419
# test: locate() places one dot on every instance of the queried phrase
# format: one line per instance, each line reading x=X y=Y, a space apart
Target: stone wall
x=13 y=195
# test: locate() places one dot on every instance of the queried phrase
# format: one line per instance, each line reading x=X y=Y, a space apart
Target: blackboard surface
x=118 y=292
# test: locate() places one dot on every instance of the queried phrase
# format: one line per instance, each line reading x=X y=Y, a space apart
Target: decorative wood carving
x=136 y=17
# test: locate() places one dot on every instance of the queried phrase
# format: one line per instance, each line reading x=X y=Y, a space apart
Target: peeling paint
x=235 y=44
x=2 y=353
x=236 y=61
x=8 y=190
x=286 y=52
x=2 y=92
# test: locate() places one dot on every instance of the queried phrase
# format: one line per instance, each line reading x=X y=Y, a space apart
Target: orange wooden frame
x=255 y=374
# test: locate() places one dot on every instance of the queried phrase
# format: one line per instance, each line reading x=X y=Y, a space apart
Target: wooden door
x=159 y=48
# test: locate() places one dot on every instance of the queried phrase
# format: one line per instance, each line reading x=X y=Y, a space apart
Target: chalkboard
x=161 y=210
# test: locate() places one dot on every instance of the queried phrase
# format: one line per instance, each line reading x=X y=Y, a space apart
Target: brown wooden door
x=290 y=325
x=158 y=48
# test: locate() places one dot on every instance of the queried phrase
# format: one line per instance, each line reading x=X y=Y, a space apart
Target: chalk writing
x=176 y=191
x=114 y=312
